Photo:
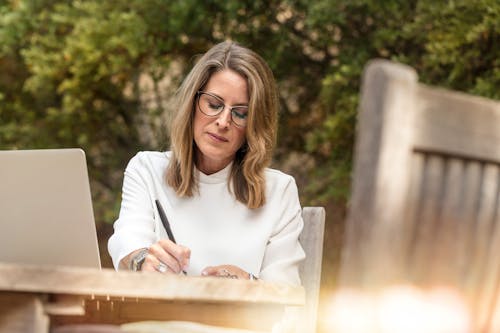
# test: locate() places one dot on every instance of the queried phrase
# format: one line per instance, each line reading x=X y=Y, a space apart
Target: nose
x=224 y=118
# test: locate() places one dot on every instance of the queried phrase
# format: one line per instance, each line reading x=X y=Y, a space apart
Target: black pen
x=166 y=225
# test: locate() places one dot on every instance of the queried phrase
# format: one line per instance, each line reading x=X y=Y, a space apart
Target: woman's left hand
x=226 y=271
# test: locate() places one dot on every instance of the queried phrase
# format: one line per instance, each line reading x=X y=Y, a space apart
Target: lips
x=217 y=138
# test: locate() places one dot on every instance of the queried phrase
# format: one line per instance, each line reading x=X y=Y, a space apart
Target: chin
x=215 y=154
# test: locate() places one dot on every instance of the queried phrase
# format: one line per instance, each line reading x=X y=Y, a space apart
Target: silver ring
x=228 y=274
x=162 y=268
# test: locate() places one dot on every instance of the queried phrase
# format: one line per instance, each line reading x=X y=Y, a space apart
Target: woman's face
x=217 y=138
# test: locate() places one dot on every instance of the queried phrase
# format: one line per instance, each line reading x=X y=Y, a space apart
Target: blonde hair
x=247 y=180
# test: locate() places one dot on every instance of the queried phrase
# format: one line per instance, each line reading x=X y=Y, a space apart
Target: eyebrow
x=222 y=99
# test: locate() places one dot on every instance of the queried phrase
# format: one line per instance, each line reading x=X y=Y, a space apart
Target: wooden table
x=34 y=298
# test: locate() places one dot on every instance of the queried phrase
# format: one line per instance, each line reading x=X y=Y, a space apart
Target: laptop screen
x=46 y=215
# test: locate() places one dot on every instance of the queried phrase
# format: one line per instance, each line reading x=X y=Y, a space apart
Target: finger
x=219 y=271
x=228 y=271
x=164 y=256
x=181 y=253
x=150 y=263
x=161 y=267
x=210 y=271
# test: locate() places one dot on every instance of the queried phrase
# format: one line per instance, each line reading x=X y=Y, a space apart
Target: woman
x=231 y=216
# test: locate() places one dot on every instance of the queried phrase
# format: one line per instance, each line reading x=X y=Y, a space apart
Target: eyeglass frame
x=231 y=109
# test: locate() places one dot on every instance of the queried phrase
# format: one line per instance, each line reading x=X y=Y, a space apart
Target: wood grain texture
x=21 y=313
x=311 y=239
x=109 y=283
x=255 y=316
x=425 y=193
x=381 y=175
x=69 y=295
x=456 y=123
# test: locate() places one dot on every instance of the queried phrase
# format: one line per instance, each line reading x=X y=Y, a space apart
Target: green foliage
x=70 y=71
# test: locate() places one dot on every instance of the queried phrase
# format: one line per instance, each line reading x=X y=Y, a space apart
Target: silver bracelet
x=253 y=277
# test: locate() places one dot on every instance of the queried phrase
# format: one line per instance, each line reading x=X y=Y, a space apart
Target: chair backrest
x=425 y=200
x=311 y=240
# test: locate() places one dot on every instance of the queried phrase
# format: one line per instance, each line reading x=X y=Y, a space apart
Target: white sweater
x=213 y=224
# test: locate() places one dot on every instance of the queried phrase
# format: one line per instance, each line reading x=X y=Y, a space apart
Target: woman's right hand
x=175 y=257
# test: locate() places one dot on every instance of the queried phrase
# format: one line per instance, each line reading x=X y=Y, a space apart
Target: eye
x=214 y=106
x=240 y=113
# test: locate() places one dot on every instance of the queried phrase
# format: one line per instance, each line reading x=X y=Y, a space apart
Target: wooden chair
x=311 y=240
x=425 y=204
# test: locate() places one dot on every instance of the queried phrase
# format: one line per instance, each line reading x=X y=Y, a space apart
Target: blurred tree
x=92 y=73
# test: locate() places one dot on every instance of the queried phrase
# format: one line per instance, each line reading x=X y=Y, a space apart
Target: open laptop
x=46 y=215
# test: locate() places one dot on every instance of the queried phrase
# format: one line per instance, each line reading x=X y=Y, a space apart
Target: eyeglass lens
x=212 y=106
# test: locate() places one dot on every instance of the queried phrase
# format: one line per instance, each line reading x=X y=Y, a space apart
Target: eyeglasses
x=212 y=106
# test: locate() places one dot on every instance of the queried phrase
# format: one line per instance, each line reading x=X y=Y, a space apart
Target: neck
x=209 y=167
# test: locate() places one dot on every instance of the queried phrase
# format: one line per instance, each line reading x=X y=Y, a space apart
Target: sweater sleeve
x=283 y=251
x=134 y=228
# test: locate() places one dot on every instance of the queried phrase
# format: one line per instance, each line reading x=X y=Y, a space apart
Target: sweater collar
x=220 y=176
